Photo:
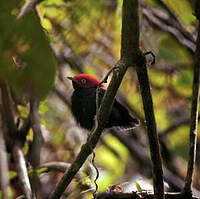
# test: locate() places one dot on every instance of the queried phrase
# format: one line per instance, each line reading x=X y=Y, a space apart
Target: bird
x=83 y=105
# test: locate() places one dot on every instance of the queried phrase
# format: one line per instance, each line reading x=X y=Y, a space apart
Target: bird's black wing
x=119 y=116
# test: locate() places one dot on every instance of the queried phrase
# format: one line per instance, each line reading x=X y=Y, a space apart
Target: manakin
x=84 y=105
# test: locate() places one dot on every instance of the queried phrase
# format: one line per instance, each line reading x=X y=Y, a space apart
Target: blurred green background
x=66 y=37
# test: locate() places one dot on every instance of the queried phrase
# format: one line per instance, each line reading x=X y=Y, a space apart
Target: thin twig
x=97 y=173
x=62 y=167
x=29 y=5
x=95 y=127
x=96 y=124
x=105 y=79
x=55 y=166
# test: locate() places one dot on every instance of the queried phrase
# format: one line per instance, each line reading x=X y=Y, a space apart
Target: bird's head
x=84 y=81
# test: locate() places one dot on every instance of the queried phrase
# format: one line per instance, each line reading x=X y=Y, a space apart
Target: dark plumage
x=84 y=105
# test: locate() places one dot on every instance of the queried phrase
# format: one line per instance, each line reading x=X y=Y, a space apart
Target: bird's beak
x=71 y=78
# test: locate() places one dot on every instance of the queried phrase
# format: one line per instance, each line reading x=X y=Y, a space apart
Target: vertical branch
x=151 y=131
x=35 y=147
x=130 y=32
x=22 y=171
x=37 y=138
x=4 y=178
x=133 y=56
x=194 y=115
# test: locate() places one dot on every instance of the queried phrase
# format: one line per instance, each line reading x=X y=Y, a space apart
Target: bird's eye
x=83 y=81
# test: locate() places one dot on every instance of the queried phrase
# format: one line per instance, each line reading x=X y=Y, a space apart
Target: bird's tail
x=131 y=124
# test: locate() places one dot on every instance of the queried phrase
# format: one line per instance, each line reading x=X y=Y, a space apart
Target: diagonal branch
x=153 y=18
x=87 y=148
x=31 y=4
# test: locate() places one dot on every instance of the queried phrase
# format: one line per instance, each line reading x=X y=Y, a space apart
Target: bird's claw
x=153 y=56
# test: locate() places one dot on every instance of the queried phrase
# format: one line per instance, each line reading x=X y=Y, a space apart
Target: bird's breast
x=84 y=106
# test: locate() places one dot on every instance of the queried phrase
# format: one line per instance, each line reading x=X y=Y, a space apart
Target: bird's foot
x=153 y=56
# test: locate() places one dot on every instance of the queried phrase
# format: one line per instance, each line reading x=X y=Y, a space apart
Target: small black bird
x=84 y=105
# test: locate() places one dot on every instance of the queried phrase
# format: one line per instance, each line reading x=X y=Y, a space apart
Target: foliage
x=22 y=55
x=84 y=36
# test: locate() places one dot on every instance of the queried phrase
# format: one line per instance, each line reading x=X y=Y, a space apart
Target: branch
x=87 y=148
x=171 y=19
x=22 y=171
x=4 y=178
x=139 y=153
x=105 y=79
x=194 y=118
x=55 y=166
x=37 y=138
x=197 y=7
x=151 y=130
x=14 y=141
x=62 y=167
x=36 y=145
x=107 y=101
x=174 y=31
x=27 y=7
x=133 y=55
x=7 y=111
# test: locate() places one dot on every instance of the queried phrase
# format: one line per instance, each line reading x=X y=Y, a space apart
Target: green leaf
x=139 y=188
x=27 y=61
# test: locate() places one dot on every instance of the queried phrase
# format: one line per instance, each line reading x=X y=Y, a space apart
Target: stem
x=4 y=178
x=151 y=131
x=37 y=138
x=36 y=145
x=194 y=118
x=131 y=53
x=22 y=171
